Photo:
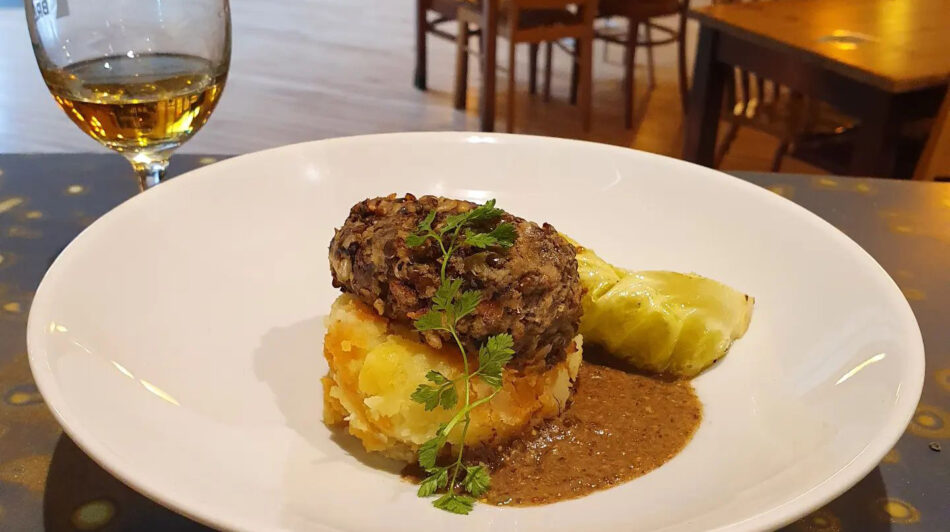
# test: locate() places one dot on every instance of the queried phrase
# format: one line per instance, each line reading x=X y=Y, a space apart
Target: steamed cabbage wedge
x=659 y=321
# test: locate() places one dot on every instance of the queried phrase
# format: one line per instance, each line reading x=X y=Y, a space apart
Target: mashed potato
x=375 y=366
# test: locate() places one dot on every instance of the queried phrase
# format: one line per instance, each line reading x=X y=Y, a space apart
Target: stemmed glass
x=139 y=76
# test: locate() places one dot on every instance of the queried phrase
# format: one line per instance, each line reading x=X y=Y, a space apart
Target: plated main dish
x=506 y=363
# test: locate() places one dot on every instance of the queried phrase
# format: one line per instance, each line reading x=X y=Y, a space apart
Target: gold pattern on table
x=13 y=304
x=93 y=515
x=74 y=190
x=930 y=422
x=864 y=188
x=23 y=395
x=786 y=191
x=943 y=378
x=893 y=510
x=825 y=182
x=892 y=457
x=21 y=405
x=10 y=203
x=821 y=520
x=914 y=294
x=28 y=471
x=34 y=215
x=207 y=160
x=19 y=231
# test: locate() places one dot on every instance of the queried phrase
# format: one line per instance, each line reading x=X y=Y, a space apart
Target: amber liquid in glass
x=139 y=104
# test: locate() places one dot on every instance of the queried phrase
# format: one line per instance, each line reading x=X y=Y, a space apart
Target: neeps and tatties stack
x=531 y=290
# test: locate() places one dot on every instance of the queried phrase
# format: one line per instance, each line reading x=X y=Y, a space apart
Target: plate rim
x=827 y=490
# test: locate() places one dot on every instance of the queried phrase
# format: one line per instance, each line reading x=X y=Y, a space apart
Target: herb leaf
x=427 y=395
x=504 y=235
x=484 y=213
x=453 y=221
x=477 y=480
x=434 y=482
x=449 y=305
x=430 y=321
x=444 y=394
x=426 y=224
x=436 y=377
x=429 y=451
x=442 y=300
x=479 y=240
x=466 y=304
x=448 y=397
x=457 y=504
x=423 y=231
x=415 y=241
x=492 y=357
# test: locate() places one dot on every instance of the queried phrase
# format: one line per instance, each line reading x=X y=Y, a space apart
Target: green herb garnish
x=449 y=305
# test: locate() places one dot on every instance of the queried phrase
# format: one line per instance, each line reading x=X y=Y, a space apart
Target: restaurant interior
x=839 y=106
x=319 y=69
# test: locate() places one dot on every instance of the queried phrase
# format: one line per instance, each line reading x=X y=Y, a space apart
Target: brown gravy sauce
x=618 y=427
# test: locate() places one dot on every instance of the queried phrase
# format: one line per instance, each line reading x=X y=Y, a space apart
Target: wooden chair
x=934 y=162
x=639 y=13
x=531 y=22
x=755 y=102
x=443 y=12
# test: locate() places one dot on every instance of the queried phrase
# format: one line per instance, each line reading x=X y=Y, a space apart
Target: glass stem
x=151 y=171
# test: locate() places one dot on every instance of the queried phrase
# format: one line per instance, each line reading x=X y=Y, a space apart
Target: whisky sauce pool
x=618 y=427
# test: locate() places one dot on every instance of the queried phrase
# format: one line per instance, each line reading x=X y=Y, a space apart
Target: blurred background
x=313 y=69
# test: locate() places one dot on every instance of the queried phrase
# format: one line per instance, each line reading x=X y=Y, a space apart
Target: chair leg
x=548 y=56
x=725 y=144
x=629 y=59
x=585 y=59
x=511 y=86
x=481 y=50
x=533 y=67
x=574 y=73
x=421 y=29
x=651 y=65
x=461 y=65
x=779 y=155
x=489 y=45
x=681 y=63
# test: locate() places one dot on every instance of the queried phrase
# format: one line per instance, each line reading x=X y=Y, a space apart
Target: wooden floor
x=314 y=69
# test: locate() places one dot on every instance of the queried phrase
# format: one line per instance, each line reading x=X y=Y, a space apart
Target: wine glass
x=139 y=76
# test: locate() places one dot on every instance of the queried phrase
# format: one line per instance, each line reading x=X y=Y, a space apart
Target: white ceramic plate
x=179 y=339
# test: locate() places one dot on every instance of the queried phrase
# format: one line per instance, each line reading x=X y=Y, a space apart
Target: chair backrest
x=643 y=8
x=557 y=27
x=548 y=4
x=749 y=93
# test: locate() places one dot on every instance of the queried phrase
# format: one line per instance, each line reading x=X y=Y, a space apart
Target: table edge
x=702 y=15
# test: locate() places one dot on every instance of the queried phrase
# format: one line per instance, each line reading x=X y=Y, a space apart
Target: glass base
x=150 y=168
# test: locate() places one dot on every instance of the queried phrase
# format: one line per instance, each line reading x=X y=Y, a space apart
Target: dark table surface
x=46 y=481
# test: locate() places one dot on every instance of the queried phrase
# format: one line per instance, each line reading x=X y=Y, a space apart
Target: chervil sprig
x=449 y=305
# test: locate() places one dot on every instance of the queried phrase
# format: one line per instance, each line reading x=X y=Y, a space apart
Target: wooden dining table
x=884 y=62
